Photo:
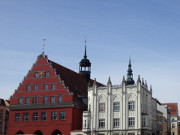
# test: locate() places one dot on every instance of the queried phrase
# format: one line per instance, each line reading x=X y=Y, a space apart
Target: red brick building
x=50 y=100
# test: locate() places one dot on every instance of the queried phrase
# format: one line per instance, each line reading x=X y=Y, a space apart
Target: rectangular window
x=36 y=75
x=60 y=99
x=28 y=87
x=34 y=100
x=62 y=115
x=116 y=123
x=101 y=123
x=53 y=86
x=131 y=105
x=101 y=107
x=35 y=116
x=25 y=116
x=143 y=122
x=35 y=87
x=131 y=121
x=20 y=100
x=27 y=100
x=116 y=106
x=17 y=117
x=45 y=99
x=43 y=116
x=53 y=115
x=52 y=99
x=47 y=74
x=46 y=86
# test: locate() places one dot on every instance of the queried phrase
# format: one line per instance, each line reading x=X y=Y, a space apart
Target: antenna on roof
x=43 y=45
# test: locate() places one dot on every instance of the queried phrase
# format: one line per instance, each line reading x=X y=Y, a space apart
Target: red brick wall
x=73 y=115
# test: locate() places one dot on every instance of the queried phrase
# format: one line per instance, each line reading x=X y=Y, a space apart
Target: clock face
x=41 y=74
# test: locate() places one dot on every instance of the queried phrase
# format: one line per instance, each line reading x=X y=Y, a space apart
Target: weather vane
x=43 y=44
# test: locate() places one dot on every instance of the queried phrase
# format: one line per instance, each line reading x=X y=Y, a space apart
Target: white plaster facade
x=132 y=117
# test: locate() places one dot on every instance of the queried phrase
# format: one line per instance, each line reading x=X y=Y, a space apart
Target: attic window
x=36 y=75
x=47 y=74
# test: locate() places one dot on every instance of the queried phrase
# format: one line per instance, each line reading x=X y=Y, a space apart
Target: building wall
x=139 y=94
x=73 y=113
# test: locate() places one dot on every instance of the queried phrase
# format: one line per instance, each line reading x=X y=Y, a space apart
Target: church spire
x=129 y=80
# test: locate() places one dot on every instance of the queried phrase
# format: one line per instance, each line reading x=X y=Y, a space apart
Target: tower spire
x=129 y=80
x=85 y=66
x=85 y=56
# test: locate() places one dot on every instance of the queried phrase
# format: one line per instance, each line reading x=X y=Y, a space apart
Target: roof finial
x=43 y=45
x=85 y=56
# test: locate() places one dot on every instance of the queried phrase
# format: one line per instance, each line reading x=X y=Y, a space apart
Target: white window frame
x=62 y=115
x=131 y=105
x=52 y=99
x=53 y=115
x=35 y=116
x=116 y=106
x=101 y=107
x=116 y=122
x=131 y=121
x=101 y=123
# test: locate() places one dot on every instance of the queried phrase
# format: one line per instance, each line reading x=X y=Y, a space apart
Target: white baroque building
x=119 y=110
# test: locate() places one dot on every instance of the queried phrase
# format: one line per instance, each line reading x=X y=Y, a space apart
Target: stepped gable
x=173 y=108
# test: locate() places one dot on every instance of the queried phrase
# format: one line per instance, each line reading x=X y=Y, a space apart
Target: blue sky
x=146 y=31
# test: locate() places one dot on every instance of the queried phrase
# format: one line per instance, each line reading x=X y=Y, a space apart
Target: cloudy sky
x=146 y=31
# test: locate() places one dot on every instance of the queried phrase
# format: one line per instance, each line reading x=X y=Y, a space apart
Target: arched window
x=38 y=132
x=56 y=132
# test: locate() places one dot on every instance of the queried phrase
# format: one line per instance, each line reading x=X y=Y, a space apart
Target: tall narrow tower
x=129 y=80
x=85 y=67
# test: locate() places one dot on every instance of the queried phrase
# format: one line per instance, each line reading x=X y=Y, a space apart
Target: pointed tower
x=85 y=67
x=129 y=80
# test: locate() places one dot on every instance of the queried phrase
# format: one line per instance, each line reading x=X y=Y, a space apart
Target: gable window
x=34 y=100
x=53 y=86
x=116 y=123
x=45 y=99
x=131 y=121
x=25 y=116
x=17 y=117
x=131 y=105
x=27 y=100
x=47 y=74
x=53 y=115
x=101 y=123
x=35 y=116
x=62 y=115
x=116 y=106
x=35 y=87
x=43 y=116
x=28 y=87
x=60 y=99
x=36 y=75
x=52 y=99
x=45 y=86
x=20 y=100
x=101 y=107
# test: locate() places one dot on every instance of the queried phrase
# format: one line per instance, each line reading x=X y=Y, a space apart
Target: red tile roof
x=76 y=83
x=173 y=108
